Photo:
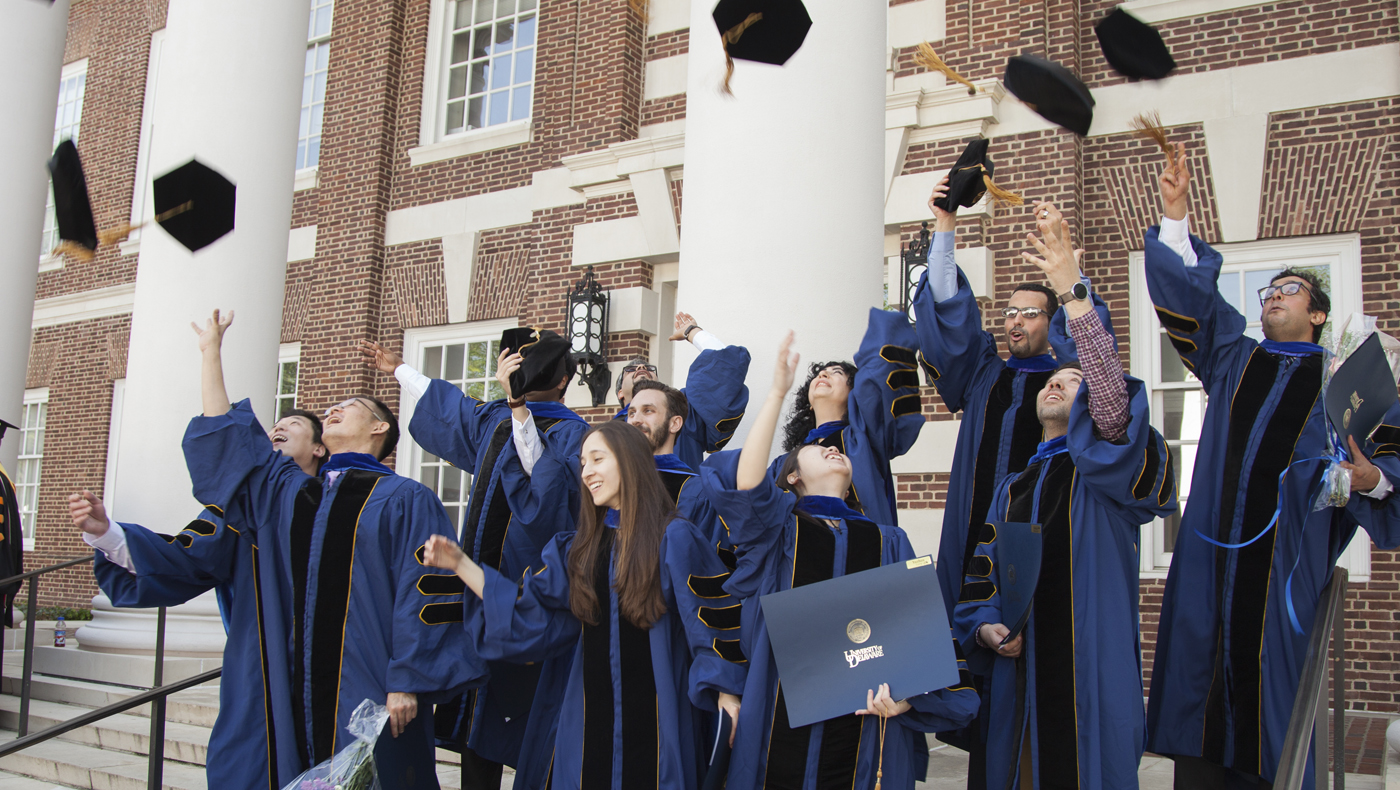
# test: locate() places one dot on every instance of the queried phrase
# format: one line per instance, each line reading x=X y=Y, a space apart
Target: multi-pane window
x=65 y=126
x=471 y=367
x=1178 y=400
x=313 y=85
x=491 y=63
x=31 y=456
x=286 y=388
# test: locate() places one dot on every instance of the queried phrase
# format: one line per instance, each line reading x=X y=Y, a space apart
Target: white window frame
x=1342 y=252
x=32 y=397
x=47 y=260
x=410 y=455
x=307 y=177
x=434 y=145
x=286 y=353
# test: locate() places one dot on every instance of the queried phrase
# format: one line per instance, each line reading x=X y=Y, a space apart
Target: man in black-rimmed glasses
x=1251 y=553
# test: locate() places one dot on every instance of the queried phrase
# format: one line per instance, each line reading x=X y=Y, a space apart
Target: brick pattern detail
x=1131 y=186
x=666 y=108
x=668 y=45
x=304 y=208
x=1320 y=179
x=116 y=344
x=921 y=491
x=498 y=285
x=419 y=303
x=41 y=361
x=294 y=306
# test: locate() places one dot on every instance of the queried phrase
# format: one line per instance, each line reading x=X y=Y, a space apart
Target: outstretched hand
x=1175 y=183
x=506 y=364
x=1061 y=261
x=211 y=337
x=683 y=321
x=786 y=368
x=88 y=513
x=379 y=357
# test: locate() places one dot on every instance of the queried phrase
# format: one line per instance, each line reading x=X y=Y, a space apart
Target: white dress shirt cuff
x=1382 y=489
x=1176 y=233
x=112 y=544
x=527 y=442
x=414 y=382
x=705 y=341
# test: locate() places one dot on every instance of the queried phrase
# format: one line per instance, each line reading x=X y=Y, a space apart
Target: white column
x=31 y=54
x=229 y=94
x=783 y=223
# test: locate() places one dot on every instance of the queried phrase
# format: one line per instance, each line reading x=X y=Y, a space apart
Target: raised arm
x=884 y=403
x=753 y=459
x=715 y=390
x=211 y=372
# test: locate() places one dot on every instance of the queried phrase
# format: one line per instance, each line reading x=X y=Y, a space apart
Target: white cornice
x=620 y=160
x=1154 y=11
x=85 y=305
x=947 y=113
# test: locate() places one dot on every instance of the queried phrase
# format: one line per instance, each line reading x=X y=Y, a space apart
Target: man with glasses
x=715 y=391
x=347 y=610
x=999 y=431
x=1228 y=658
x=523 y=454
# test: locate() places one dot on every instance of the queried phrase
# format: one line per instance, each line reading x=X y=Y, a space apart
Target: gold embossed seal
x=858 y=630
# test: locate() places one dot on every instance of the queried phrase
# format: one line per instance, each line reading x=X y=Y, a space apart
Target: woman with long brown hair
x=798 y=530
x=636 y=593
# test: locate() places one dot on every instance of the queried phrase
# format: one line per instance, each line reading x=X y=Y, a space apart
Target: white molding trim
x=48 y=262
x=307 y=178
x=620 y=160
x=301 y=243
x=289 y=352
x=1154 y=11
x=476 y=141
x=84 y=305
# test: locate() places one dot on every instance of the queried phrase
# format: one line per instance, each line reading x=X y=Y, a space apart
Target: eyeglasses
x=1028 y=313
x=342 y=406
x=634 y=368
x=1290 y=288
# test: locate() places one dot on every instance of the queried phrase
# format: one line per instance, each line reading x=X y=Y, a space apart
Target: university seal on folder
x=836 y=639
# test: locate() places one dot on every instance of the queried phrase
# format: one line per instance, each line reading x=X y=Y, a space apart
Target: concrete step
x=10 y=781
x=120 y=670
x=89 y=767
x=184 y=743
x=198 y=705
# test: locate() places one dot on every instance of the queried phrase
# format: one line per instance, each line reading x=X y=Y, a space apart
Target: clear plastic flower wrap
x=352 y=768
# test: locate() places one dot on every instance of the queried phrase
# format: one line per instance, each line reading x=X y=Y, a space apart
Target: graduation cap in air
x=765 y=31
x=76 y=229
x=1052 y=91
x=1360 y=393
x=4 y=426
x=1132 y=47
x=971 y=177
x=195 y=204
x=546 y=359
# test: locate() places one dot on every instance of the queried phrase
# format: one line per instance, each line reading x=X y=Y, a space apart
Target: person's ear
x=318 y=451
x=677 y=423
x=1317 y=318
x=380 y=427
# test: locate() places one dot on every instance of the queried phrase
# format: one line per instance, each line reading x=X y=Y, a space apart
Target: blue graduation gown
x=366 y=616
x=253 y=744
x=883 y=415
x=511 y=517
x=1080 y=665
x=717 y=396
x=1227 y=658
x=780 y=549
x=629 y=717
x=691 y=496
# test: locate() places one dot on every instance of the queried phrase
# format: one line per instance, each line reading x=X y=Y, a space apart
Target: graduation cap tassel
x=120 y=233
x=1149 y=125
x=730 y=36
x=1001 y=194
x=74 y=250
x=880 y=769
x=929 y=59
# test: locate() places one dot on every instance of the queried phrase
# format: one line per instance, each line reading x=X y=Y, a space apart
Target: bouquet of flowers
x=1336 y=481
x=352 y=768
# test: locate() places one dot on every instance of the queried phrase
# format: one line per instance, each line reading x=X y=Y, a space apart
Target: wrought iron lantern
x=588 y=335
x=913 y=258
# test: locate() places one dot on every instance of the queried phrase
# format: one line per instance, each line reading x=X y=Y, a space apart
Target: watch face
x=1080 y=291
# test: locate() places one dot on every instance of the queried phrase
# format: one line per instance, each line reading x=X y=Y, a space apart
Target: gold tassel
x=74 y=250
x=730 y=36
x=640 y=6
x=116 y=235
x=1149 y=125
x=929 y=59
x=1001 y=194
x=880 y=769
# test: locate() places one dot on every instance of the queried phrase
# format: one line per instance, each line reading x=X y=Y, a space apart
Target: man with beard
x=659 y=412
x=716 y=395
x=1066 y=693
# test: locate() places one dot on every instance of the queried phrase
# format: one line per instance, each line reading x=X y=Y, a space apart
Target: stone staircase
x=112 y=754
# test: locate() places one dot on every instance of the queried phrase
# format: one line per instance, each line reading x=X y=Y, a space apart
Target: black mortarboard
x=4 y=426
x=1018 y=550
x=778 y=32
x=1132 y=47
x=1360 y=393
x=546 y=359
x=971 y=177
x=70 y=199
x=1052 y=91
x=195 y=204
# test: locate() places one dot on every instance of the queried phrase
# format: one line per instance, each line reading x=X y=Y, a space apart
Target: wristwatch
x=1079 y=291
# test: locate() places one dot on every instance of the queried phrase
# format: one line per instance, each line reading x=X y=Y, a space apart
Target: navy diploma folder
x=1360 y=393
x=1017 y=556
x=837 y=639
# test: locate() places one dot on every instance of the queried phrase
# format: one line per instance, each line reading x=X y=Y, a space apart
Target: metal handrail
x=156 y=695
x=1309 y=719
